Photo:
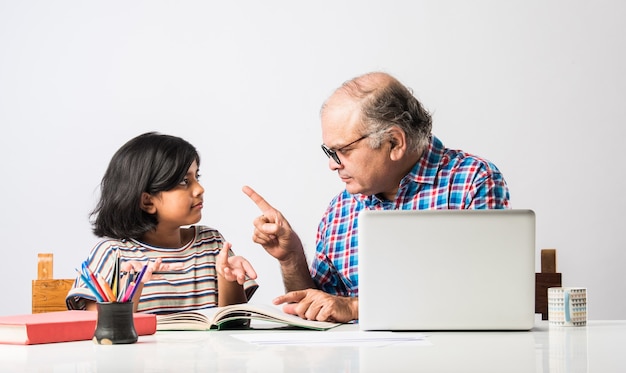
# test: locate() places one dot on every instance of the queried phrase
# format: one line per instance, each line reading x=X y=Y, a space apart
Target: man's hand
x=313 y=304
x=272 y=230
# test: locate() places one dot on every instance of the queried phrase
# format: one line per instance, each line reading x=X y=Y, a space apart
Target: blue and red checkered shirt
x=442 y=179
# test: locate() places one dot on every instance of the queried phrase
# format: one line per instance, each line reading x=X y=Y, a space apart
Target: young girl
x=150 y=200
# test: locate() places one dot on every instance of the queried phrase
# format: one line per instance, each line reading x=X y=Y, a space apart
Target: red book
x=61 y=326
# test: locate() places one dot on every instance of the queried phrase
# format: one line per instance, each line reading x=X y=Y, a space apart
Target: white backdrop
x=535 y=86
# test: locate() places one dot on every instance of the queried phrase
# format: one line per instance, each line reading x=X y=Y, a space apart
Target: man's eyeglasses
x=330 y=153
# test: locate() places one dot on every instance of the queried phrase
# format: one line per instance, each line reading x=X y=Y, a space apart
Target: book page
x=265 y=312
x=213 y=318
x=187 y=320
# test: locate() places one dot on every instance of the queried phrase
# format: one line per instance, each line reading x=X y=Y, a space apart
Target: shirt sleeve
x=489 y=191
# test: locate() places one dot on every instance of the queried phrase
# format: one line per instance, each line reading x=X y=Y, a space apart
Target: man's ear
x=397 y=138
x=146 y=203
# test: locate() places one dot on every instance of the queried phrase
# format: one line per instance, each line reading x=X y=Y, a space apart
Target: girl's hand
x=153 y=266
x=233 y=268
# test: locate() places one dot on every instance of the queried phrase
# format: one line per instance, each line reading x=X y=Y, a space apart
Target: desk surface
x=597 y=347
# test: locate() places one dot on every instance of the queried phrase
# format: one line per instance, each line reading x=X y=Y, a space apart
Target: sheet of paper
x=332 y=338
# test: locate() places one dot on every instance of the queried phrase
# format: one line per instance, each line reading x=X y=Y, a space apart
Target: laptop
x=446 y=270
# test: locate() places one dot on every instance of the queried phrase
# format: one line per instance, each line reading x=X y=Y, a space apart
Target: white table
x=598 y=347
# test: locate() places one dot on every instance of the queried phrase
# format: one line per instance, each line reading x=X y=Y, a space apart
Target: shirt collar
x=425 y=170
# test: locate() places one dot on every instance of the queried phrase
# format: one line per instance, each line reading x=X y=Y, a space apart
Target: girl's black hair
x=151 y=163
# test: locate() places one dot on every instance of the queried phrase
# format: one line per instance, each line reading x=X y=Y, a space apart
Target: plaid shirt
x=442 y=179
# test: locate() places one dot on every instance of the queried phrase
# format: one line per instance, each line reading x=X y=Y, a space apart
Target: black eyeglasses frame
x=332 y=153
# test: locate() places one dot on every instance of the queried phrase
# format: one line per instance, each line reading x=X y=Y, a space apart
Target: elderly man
x=378 y=138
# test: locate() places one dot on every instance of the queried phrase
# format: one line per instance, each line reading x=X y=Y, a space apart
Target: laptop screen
x=446 y=269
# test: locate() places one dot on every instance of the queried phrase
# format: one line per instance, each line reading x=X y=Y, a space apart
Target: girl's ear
x=146 y=203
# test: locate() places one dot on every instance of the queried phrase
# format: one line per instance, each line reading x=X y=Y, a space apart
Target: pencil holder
x=115 y=323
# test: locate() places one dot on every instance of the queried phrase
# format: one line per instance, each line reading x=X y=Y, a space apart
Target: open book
x=221 y=317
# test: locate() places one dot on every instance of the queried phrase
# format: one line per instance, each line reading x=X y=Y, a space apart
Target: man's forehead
x=341 y=107
x=340 y=123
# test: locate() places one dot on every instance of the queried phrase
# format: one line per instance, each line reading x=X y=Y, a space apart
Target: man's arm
x=295 y=270
x=273 y=232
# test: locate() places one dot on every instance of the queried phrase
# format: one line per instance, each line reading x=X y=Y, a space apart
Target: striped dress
x=195 y=288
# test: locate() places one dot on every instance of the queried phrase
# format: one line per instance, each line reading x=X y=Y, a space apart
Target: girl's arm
x=232 y=273
x=229 y=292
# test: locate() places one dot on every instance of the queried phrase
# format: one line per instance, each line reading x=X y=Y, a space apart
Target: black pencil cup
x=115 y=323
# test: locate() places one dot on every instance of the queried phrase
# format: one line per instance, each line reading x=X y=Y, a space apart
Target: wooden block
x=44 y=267
x=548 y=261
x=49 y=295
x=543 y=281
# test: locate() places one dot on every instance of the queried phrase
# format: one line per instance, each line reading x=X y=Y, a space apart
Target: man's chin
x=354 y=189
